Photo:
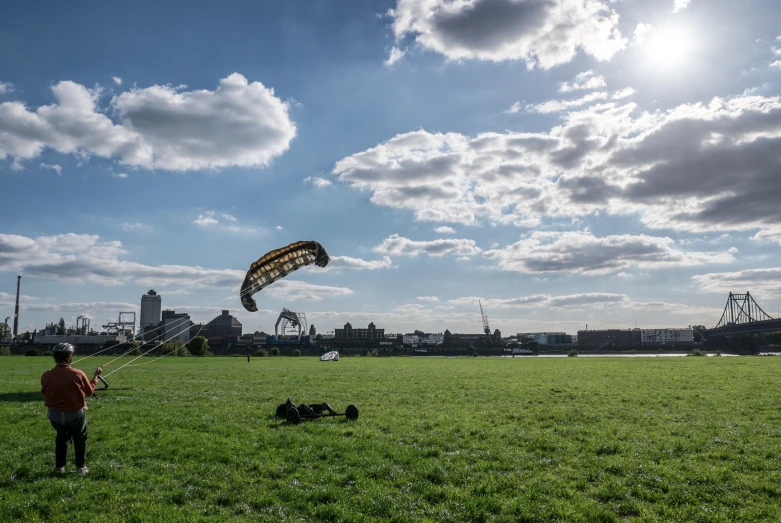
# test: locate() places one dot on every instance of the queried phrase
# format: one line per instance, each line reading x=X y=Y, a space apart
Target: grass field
x=466 y=439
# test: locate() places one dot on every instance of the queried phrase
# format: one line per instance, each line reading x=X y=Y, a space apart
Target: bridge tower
x=741 y=309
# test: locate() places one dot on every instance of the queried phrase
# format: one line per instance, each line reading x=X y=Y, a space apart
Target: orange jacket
x=64 y=388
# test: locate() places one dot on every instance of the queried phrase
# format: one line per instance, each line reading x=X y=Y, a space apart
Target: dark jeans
x=75 y=429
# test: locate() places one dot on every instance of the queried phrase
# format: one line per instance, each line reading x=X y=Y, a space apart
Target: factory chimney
x=16 y=310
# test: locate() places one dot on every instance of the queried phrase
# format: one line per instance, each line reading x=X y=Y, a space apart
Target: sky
x=568 y=163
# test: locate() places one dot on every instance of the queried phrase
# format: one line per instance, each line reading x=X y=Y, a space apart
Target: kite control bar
x=105 y=386
x=294 y=414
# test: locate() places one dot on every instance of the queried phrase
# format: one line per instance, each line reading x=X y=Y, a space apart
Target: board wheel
x=293 y=416
x=351 y=412
x=281 y=411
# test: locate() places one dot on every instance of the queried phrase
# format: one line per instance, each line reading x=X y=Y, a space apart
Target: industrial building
x=224 y=325
x=613 y=338
x=544 y=338
x=424 y=340
x=472 y=339
x=666 y=336
x=176 y=326
x=151 y=307
x=372 y=333
x=626 y=338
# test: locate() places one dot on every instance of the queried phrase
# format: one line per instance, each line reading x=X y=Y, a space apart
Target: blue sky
x=567 y=162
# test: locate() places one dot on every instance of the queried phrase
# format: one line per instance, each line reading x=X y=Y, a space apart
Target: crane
x=486 y=328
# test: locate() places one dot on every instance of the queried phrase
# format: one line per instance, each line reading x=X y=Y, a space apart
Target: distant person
x=247 y=356
x=64 y=391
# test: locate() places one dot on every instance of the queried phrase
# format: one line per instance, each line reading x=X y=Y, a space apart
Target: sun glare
x=669 y=48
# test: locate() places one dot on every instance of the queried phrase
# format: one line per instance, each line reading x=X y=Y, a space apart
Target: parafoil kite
x=277 y=264
x=330 y=356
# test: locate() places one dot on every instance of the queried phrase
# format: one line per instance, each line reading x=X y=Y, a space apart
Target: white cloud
x=395 y=55
x=445 y=230
x=542 y=33
x=136 y=227
x=768 y=235
x=9 y=300
x=206 y=219
x=557 y=106
x=160 y=127
x=609 y=157
x=340 y=263
x=117 y=80
x=279 y=227
x=90 y=308
x=295 y=290
x=6 y=87
x=585 y=81
x=583 y=253
x=318 y=181
x=83 y=258
x=545 y=301
x=119 y=175
x=777 y=63
x=640 y=34
x=56 y=168
x=514 y=108
x=622 y=93
x=400 y=246
x=760 y=282
x=430 y=299
x=680 y=5
x=178 y=292
x=221 y=221
x=600 y=301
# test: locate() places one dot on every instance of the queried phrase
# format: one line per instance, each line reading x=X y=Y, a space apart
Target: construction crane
x=486 y=328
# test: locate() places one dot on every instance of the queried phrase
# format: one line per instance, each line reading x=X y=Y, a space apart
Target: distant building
x=151 y=306
x=433 y=339
x=545 y=338
x=626 y=338
x=469 y=339
x=610 y=338
x=372 y=333
x=224 y=325
x=176 y=326
x=666 y=336
x=423 y=339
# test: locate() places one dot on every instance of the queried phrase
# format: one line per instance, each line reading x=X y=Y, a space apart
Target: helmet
x=63 y=347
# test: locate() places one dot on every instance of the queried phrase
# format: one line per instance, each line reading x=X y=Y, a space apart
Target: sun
x=669 y=47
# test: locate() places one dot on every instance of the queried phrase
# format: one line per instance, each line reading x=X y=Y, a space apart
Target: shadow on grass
x=26 y=397
x=21 y=397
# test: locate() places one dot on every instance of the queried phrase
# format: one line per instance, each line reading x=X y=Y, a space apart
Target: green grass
x=467 y=439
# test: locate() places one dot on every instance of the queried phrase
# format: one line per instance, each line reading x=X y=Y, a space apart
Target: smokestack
x=16 y=310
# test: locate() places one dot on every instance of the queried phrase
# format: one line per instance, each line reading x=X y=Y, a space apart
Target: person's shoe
x=60 y=470
x=82 y=470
